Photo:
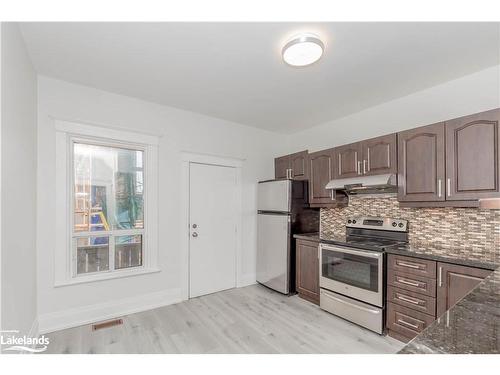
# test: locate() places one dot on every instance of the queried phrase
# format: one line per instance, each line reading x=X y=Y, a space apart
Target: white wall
x=470 y=94
x=180 y=131
x=18 y=169
x=187 y=131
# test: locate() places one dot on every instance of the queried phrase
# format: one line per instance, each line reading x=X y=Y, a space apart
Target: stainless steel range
x=352 y=269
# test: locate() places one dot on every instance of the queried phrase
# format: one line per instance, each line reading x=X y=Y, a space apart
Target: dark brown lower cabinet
x=411 y=296
x=454 y=283
x=420 y=290
x=404 y=323
x=307 y=270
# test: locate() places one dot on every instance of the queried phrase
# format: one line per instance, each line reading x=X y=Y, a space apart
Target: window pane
x=109 y=184
x=128 y=251
x=92 y=254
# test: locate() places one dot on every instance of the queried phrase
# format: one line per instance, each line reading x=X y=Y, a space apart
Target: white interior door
x=213 y=218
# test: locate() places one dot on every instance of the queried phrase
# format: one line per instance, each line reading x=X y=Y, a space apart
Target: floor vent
x=107 y=324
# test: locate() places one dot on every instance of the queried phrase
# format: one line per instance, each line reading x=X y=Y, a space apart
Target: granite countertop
x=454 y=256
x=471 y=326
x=307 y=236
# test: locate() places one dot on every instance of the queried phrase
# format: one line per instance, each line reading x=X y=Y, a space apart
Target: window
x=109 y=192
x=108 y=207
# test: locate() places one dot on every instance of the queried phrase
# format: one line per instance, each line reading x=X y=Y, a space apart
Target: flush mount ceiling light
x=302 y=50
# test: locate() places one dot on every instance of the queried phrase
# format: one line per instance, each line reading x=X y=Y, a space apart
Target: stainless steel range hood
x=379 y=184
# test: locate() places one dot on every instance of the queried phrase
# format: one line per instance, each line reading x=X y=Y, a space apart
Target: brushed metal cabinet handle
x=364 y=166
x=448 y=187
x=403 y=264
x=439 y=188
x=406 y=282
x=440 y=277
x=340 y=165
x=407 y=299
x=404 y=322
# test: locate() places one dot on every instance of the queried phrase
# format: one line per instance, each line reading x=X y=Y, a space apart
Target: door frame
x=188 y=158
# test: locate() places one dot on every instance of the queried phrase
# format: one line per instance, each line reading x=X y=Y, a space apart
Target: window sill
x=105 y=276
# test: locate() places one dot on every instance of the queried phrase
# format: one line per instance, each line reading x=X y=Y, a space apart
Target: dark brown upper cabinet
x=320 y=173
x=370 y=157
x=380 y=155
x=421 y=164
x=298 y=165
x=348 y=159
x=455 y=282
x=293 y=166
x=472 y=156
x=282 y=167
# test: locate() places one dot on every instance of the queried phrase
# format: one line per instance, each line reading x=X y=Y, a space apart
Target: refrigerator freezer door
x=274 y=196
x=273 y=251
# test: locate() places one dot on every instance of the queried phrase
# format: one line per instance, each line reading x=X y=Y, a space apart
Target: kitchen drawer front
x=365 y=315
x=414 y=266
x=413 y=283
x=406 y=322
x=412 y=300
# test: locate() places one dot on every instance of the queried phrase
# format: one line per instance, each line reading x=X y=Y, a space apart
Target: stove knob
x=401 y=225
x=349 y=221
x=354 y=221
x=394 y=224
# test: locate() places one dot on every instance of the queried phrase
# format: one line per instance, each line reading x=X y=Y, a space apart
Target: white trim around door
x=187 y=158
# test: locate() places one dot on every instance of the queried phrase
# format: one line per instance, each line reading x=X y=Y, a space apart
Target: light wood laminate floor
x=252 y=319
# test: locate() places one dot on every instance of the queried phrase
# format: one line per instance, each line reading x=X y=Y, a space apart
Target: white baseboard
x=94 y=313
x=245 y=280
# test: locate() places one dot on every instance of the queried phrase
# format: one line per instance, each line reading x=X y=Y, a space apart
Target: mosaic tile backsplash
x=468 y=232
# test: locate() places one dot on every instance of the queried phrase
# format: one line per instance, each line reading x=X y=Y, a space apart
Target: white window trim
x=66 y=134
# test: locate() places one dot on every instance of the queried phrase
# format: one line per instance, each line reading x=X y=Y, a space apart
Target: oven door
x=354 y=273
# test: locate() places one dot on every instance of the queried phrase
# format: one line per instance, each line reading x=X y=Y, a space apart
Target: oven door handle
x=369 y=254
x=349 y=303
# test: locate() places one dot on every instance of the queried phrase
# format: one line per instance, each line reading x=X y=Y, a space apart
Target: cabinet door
x=421 y=164
x=281 y=167
x=454 y=283
x=320 y=173
x=307 y=271
x=348 y=160
x=298 y=164
x=472 y=154
x=379 y=155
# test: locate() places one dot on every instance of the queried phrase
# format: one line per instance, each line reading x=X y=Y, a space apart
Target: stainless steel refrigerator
x=283 y=210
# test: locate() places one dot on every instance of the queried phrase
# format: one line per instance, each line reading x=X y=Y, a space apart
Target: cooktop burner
x=372 y=233
x=371 y=241
x=366 y=243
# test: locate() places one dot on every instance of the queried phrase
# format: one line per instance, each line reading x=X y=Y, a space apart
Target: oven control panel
x=382 y=223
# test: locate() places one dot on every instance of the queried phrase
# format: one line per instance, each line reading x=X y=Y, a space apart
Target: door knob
x=195 y=234
x=195 y=226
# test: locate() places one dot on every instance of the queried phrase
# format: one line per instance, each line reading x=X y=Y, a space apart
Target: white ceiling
x=234 y=71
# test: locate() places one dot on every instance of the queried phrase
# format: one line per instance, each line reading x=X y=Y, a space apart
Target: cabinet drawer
x=413 y=283
x=419 y=302
x=406 y=322
x=414 y=266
